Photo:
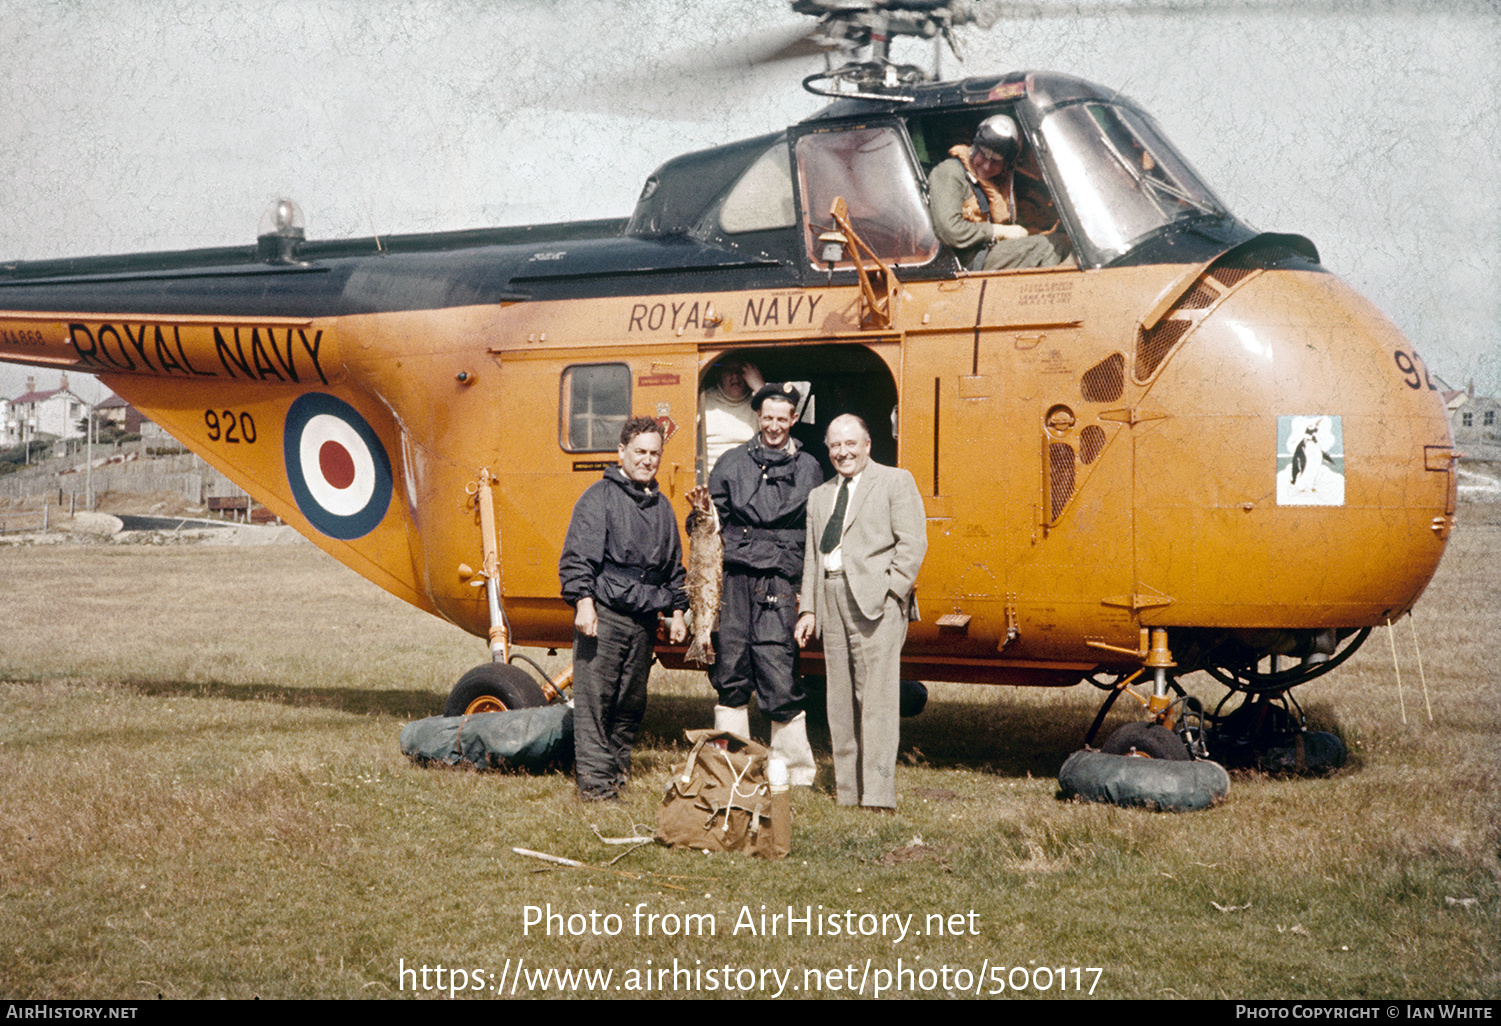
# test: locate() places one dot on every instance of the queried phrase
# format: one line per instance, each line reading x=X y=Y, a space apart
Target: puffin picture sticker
x=339 y=472
x=1310 y=461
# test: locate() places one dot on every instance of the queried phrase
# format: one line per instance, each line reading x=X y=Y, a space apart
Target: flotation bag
x=1154 y=783
x=531 y=739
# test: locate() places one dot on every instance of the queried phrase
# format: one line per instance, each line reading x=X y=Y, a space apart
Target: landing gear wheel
x=1268 y=732
x=493 y=687
x=1150 y=739
x=913 y=698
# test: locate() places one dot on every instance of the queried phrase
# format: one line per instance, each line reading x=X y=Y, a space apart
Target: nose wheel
x=1266 y=729
x=1268 y=732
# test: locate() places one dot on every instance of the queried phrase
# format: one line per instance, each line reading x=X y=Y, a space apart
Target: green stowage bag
x=519 y=739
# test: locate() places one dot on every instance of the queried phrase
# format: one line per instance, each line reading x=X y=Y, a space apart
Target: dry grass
x=201 y=796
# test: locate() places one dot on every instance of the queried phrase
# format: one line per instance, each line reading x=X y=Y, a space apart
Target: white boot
x=736 y=721
x=789 y=741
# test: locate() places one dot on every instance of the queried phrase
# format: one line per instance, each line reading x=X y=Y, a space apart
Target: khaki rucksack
x=720 y=799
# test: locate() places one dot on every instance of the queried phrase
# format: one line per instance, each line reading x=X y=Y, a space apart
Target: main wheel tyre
x=1150 y=739
x=912 y=699
x=493 y=687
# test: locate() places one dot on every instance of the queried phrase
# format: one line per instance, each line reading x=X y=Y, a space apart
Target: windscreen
x=1120 y=176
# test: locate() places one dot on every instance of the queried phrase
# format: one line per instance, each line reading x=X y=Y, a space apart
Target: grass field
x=201 y=795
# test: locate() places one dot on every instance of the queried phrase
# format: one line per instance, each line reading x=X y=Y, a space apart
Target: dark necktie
x=835 y=527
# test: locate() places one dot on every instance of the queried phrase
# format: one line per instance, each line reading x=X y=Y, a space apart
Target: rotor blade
x=996 y=10
x=696 y=83
x=787 y=43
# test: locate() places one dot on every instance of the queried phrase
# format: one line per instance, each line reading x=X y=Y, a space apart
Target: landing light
x=831 y=250
x=833 y=247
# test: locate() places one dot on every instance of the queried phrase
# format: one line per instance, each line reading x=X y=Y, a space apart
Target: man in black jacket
x=761 y=491
x=622 y=566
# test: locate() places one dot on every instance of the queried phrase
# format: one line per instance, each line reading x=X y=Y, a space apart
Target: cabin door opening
x=831 y=380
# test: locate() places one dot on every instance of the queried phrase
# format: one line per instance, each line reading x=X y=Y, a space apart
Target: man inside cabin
x=727 y=419
x=987 y=211
x=622 y=566
x=760 y=490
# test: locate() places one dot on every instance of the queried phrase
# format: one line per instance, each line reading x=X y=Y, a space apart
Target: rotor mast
x=849 y=26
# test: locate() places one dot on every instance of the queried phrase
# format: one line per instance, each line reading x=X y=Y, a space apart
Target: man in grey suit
x=867 y=534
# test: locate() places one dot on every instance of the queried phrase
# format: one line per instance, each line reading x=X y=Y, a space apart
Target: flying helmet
x=1000 y=135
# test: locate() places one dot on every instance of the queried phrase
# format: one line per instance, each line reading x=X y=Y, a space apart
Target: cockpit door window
x=871 y=169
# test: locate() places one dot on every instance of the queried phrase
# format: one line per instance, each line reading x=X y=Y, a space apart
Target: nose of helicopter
x=1294 y=460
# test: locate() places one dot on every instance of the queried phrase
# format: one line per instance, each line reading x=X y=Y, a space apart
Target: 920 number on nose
x=229 y=426
x=1414 y=370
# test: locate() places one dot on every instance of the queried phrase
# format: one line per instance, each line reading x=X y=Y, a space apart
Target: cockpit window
x=1120 y=176
x=762 y=199
x=870 y=168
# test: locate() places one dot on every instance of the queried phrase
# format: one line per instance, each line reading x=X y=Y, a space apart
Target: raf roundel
x=339 y=472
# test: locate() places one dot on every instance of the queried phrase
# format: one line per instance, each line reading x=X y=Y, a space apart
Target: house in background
x=55 y=414
x=126 y=417
x=1475 y=421
x=121 y=414
x=61 y=414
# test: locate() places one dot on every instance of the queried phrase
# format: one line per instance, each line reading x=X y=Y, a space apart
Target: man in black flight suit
x=761 y=491
x=622 y=566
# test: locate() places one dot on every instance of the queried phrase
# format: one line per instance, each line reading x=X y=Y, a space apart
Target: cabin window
x=1490 y=418
x=870 y=168
x=594 y=406
x=762 y=199
x=1467 y=419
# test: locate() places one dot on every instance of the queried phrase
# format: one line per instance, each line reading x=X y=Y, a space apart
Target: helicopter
x=1105 y=447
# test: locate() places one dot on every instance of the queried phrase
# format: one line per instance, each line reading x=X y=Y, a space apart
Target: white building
x=1475 y=422
x=54 y=414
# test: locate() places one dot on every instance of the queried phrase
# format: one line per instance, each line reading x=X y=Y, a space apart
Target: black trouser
x=609 y=698
x=754 y=649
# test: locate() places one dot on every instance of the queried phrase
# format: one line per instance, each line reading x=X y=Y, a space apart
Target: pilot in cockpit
x=980 y=209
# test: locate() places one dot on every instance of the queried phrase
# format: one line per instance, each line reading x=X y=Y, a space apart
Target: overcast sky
x=1368 y=125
